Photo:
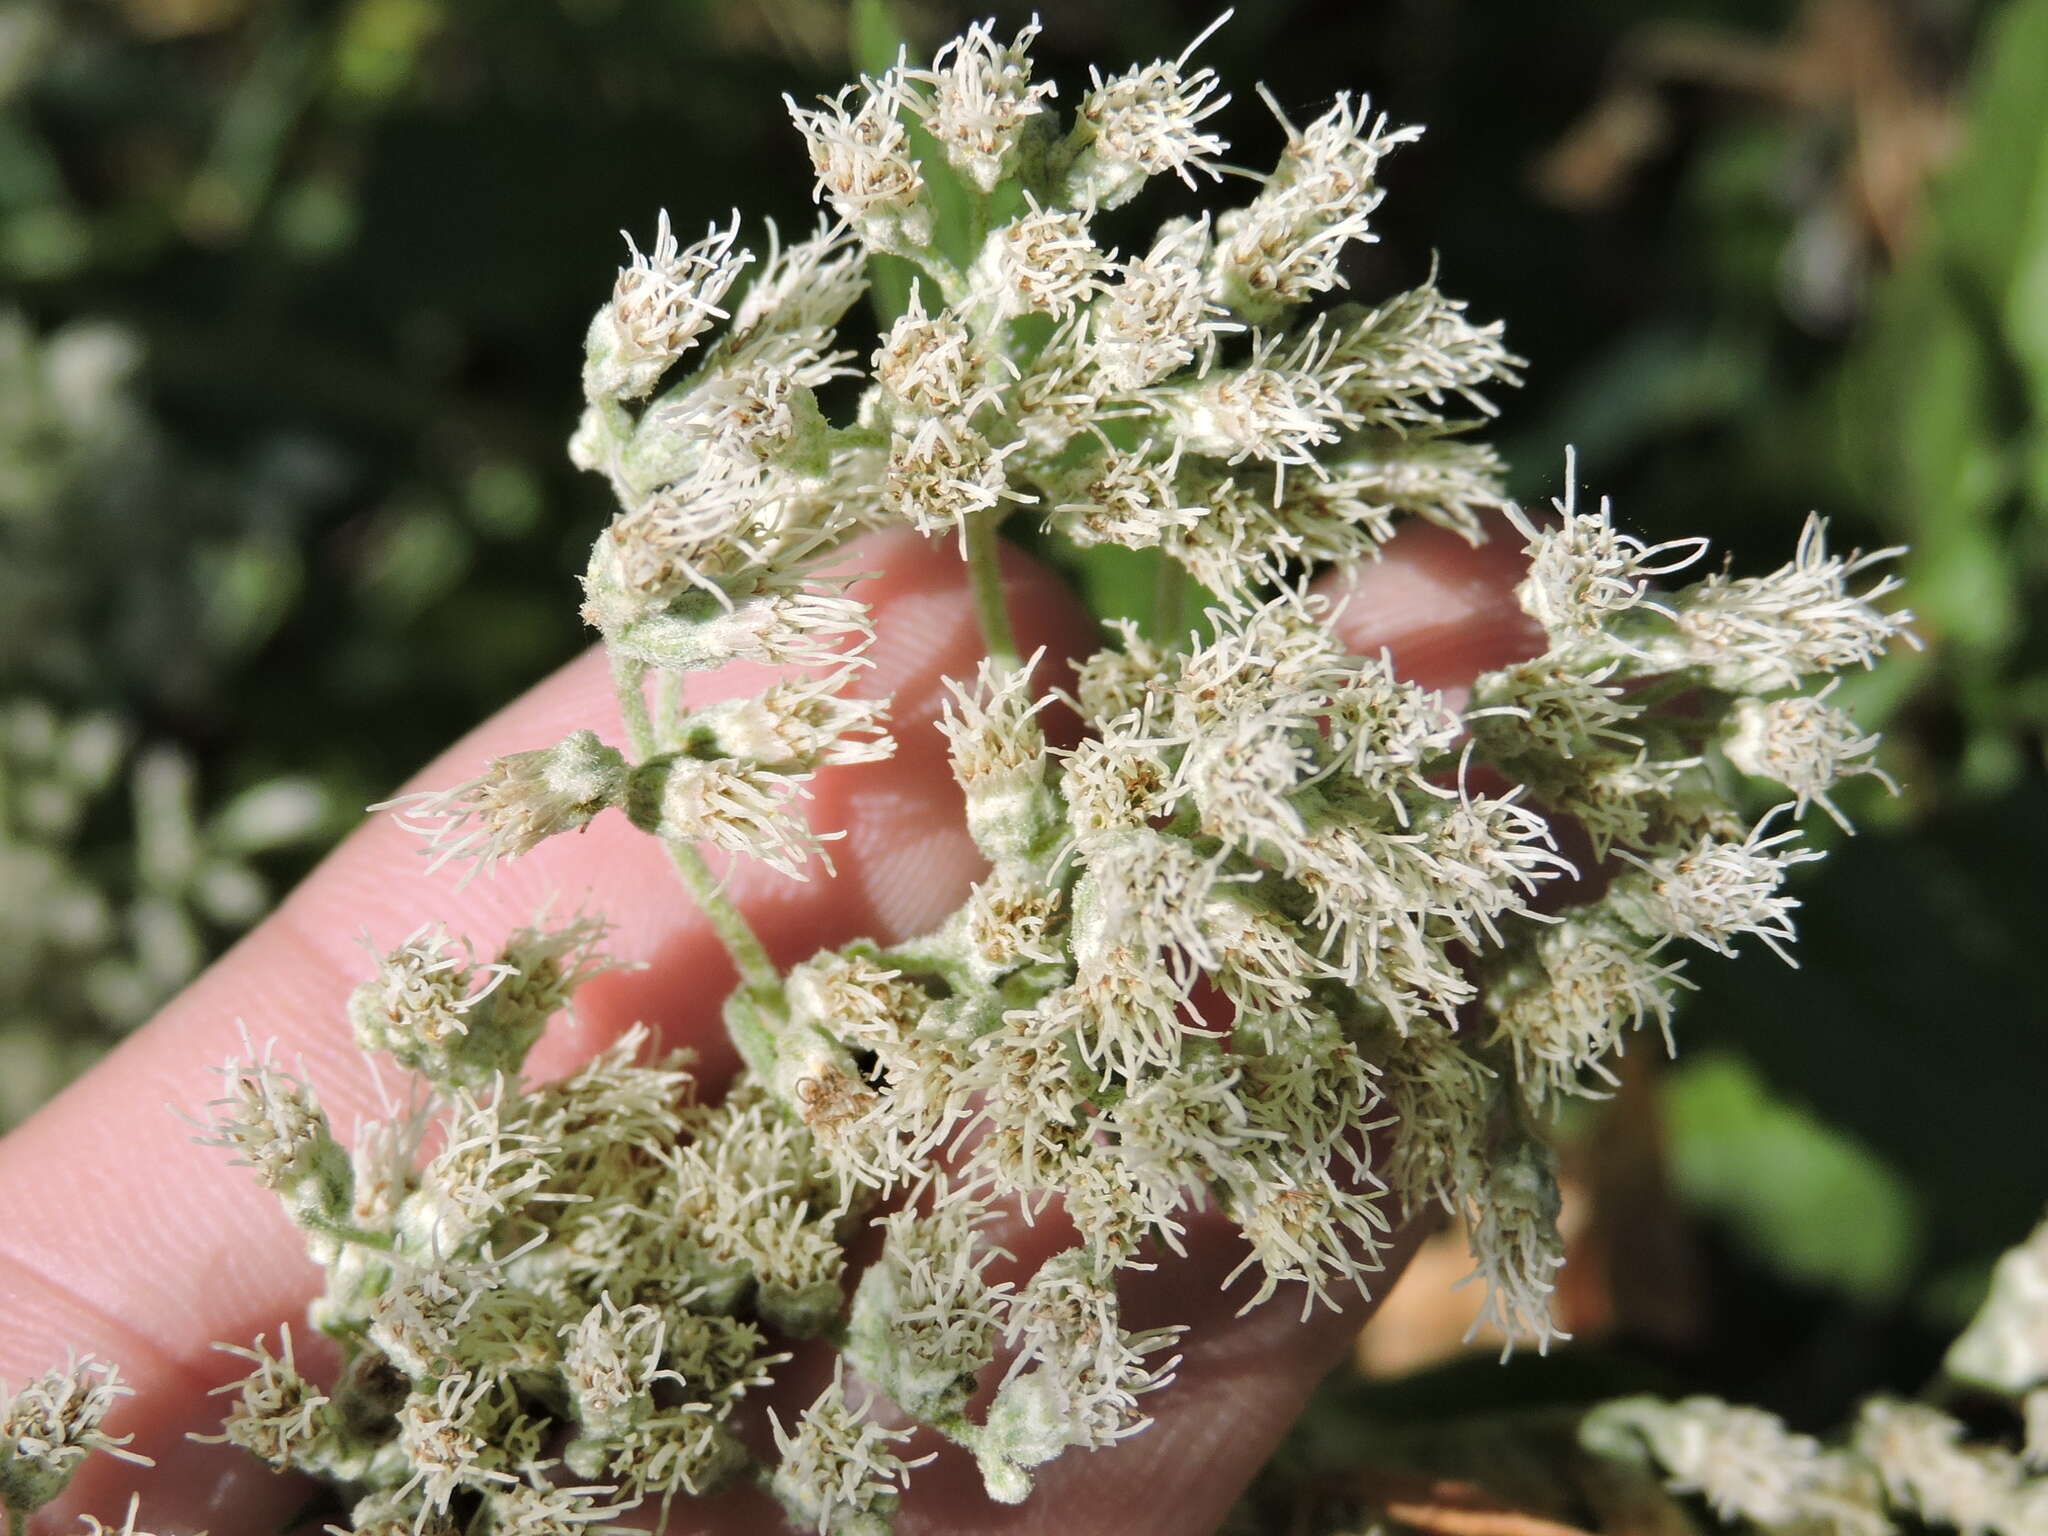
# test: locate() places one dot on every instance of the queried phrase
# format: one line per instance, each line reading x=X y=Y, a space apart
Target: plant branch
x=628 y=680
x=984 y=567
x=758 y=971
x=749 y=955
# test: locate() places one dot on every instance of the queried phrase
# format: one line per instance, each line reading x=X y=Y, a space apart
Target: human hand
x=122 y=1238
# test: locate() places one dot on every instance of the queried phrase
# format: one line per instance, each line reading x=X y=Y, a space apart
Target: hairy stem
x=945 y=276
x=749 y=955
x=668 y=706
x=984 y=568
x=342 y=1231
x=757 y=971
x=628 y=680
x=978 y=221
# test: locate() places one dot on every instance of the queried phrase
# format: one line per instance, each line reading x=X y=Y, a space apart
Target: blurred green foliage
x=300 y=288
x=132 y=584
x=1842 y=1220
x=1941 y=415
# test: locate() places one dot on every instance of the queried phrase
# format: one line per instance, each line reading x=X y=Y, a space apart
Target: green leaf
x=1994 y=210
x=873 y=35
x=890 y=282
x=248 y=589
x=1922 y=412
x=381 y=44
x=1908 y=1021
x=1118 y=583
x=417 y=554
x=1816 y=1203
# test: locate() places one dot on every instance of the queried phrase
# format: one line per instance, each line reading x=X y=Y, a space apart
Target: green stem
x=860 y=437
x=668 y=709
x=342 y=1231
x=977 y=224
x=945 y=275
x=757 y=971
x=628 y=679
x=749 y=954
x=984 y=568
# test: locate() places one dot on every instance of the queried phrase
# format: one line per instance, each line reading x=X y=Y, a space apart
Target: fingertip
x=925 y=624
x=1443 y=607
x=147 y=1228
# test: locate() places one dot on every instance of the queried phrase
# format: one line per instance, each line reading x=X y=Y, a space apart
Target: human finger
x=122 y=1238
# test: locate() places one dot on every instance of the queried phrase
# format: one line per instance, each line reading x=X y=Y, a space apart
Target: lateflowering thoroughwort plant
x=1276 y=898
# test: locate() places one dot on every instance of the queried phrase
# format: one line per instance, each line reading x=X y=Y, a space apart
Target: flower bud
x=270 y=1120
x=517 y=803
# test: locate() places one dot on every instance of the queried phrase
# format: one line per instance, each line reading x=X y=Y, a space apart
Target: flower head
x=665 y=299
x=861 y=153
x=979 y=101
x=51 y=1425
x=517 y=803
x=1148 y=121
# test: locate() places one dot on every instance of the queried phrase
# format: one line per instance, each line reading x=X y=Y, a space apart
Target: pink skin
x=121 y=1237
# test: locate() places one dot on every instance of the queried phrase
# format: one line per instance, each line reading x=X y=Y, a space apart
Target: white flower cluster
x=436 y=1013
x=1284 y=935
x=49 y=1427
x=272 y=1124
x=2005 y=1348
x=1905 y=1465
x=1747 y=1466
x=601 y=1252
x=837 y=1471
x=731 y=484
